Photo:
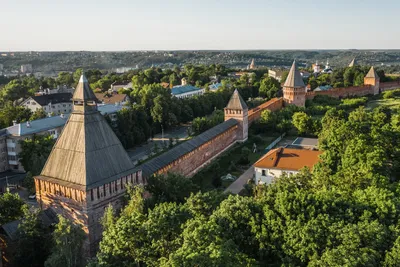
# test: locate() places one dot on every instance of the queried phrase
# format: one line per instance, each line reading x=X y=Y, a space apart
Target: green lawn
x=393 y=103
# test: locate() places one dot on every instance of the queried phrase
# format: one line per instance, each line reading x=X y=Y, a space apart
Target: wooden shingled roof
x=294 y=78
x=88 y=153
x=236 y=102
x=372 y=73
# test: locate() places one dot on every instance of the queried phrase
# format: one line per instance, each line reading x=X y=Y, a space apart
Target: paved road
x=142 y=152
x=238 y=185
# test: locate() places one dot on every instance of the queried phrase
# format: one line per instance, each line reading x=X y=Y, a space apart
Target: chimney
x=62 y=115
x=14 y=122
x=183 y=81
x=28 y=124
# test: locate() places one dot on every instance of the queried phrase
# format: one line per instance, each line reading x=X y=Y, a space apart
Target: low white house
x=283 y=160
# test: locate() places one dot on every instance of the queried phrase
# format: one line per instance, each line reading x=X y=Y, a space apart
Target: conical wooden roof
x=372 y=73
x=236 y=101
x=83 y=91
x=294 y=78
x=87 y=154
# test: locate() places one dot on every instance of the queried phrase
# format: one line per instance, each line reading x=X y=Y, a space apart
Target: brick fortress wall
x=273 y=105
x=193 y=161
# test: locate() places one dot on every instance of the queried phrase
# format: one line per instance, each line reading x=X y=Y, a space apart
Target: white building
x=283 y=160
x=26 y=68
x=51 y=104
x=186 y=90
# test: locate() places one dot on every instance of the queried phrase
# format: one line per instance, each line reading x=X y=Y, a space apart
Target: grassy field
x=393 y=103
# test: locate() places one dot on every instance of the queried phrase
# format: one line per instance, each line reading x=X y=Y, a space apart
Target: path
x=142 y=152
x=239 y=183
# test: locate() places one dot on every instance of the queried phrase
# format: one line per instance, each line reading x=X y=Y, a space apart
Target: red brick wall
x=389 y=86
x=273 y=105
x=192 y=161
x=344 y=92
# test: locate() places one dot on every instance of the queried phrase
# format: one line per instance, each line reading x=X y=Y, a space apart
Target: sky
x=115 y=25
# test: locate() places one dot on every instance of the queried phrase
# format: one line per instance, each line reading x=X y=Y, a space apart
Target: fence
x=275 y=142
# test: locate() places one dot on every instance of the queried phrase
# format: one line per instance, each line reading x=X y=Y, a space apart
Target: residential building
x=10 y=137
x=26 y=68
x=51 y=103
x=281 y=160
x=58 y=90
x=115 y=87
x=328 y=68
x=276 y=74
x=305 y=74
x=316 y=68
x=112 y=98
x=186 y=90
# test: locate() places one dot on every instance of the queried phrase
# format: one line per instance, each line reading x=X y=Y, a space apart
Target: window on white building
x=264 y=173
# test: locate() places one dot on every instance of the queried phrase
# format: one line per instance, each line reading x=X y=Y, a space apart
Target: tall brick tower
x=238 y=110
x=87 y=170
x=372 y=79
x=294 y=89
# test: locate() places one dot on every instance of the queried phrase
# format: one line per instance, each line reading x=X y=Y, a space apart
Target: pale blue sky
x=203 y=24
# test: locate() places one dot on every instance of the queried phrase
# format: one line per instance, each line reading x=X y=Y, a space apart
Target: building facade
x=280 y=161
x=52 y=104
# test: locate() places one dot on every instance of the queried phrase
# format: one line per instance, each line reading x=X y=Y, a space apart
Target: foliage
x=11 y=207
x=68 y=241
x=33 y=240
x=34 y=152
x=202 y=124
x=38 y=114
x=269 y=87
x=302 y=122
x=10 y=113
x=170 y=188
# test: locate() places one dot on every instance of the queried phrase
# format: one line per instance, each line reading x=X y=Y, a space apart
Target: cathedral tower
x=87 y=169
x=294 y=89
x=372 y=79
x=238 y=110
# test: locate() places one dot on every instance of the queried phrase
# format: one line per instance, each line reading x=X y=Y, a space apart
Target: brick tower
x=238 y=110
x=87 y=169
x=294 y=89
x=372 y=79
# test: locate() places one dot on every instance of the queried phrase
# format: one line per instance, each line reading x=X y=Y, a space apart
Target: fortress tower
x=372 y=79
x=87 y=169
x=238 y=110
x=252 y=65
x=294 y=89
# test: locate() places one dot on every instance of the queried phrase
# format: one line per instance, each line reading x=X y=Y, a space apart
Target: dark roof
x=236 y=102
x=44 y=100
x=47 y=216
x=150 y=167
x=12 y=177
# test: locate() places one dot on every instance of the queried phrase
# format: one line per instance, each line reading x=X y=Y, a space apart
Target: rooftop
x=236 y=101
x=182 y=89
x=48 y=123
x=110 y=98
x=372 y=73
x=305 y=142
x=44 y=100
x=294 y=78
x=288 y=159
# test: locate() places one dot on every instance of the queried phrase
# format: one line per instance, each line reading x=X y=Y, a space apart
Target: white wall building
x=283 y=160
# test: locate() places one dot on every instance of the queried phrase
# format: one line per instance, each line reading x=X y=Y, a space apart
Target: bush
x=391 y=94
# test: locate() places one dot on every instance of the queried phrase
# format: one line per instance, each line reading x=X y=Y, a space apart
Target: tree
x=302 y=122
x=68 y=242
x=269 y=87
x=170 y=188
x=34 y=240
x=11 y=207
x=34 y=153
x=38 y=114
x=9 y=114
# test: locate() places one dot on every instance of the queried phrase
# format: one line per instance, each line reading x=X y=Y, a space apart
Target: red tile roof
x=110 y=98
x=288 y=159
